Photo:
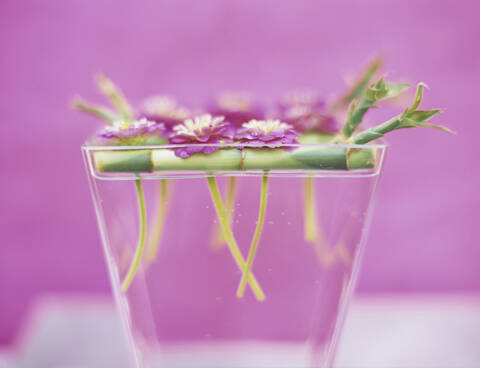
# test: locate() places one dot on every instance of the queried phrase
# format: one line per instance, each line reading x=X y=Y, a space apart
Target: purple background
x=423 y=236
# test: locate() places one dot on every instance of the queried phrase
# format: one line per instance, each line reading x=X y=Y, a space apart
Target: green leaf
x=118 y=100
x=419 y=116
x=358 y=87
x=395 y=89
x=418 y=96
x=410 y=118
x=98 y=111
x=439 y=127
x=375 y=92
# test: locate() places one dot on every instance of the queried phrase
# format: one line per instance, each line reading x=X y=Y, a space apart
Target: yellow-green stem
x=256 y=236
x=311 y=223
x=310 y=216
x=155 y=236
x=137 y=258
x=228 y=235
x=218 y=240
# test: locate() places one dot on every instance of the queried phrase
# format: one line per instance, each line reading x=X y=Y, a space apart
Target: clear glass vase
x=178 y=233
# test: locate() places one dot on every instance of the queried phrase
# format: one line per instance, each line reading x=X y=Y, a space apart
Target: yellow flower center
x=266 y=126
x=195 y=126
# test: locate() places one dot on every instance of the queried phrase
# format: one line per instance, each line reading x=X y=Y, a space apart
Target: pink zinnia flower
x=267 y=133
x=131 y=133
x=166 y=110
x=199 y=131
x=236 y=107
x=307 y=113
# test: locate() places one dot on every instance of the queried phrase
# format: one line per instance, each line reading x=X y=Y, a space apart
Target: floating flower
x=236 y=107
x=199 y=131
x=267 y=133
x=306 y=113
x=164 y=109
x=131 y=133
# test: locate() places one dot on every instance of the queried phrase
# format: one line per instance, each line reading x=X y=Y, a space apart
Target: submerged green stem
x=155 y=236
x=314 y=233
x=310 y=216
x=218 y=239
x=231 y=197
x=311 y=223
x=256 y=236
x=227 y=233
x=141 y=238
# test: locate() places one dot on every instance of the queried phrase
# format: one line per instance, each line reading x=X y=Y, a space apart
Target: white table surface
x=399 y=331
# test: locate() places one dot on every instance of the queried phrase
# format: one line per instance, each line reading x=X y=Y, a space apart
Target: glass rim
x=378 y=145
x=152 y=169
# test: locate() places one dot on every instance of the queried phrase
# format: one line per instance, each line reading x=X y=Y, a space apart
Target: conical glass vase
x=242 y=258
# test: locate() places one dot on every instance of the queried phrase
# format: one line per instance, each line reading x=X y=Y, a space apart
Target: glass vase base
x=223 y=354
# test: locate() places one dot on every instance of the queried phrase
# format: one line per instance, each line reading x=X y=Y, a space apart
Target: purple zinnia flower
x=164 y=109
x=198 y=131
x=268 y=133
x=131 y=133
x=236 y=107
x=307 y=113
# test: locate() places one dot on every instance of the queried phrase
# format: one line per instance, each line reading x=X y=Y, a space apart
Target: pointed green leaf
x=410 y=118
x=419 y=116
x=395 y=89
x=418 y=96
x=439 y=127
x=377 y=91
x=118 y=100
x=358 y=87
x=98 y=111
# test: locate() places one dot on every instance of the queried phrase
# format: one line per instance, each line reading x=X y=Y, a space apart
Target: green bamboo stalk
x=218 y=240
x=232 y=159
x=376 y=92
x=410 y=118
x=256 y=236
x=131 y=161
x=155 y=236
x=141 y=238
x=231 y=242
